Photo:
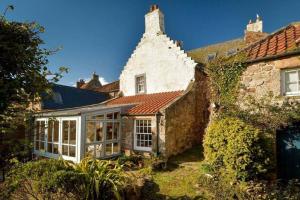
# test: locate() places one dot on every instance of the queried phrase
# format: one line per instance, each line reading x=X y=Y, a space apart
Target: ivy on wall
x=224 y=73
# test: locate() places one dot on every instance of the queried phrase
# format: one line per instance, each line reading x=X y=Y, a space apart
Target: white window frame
x=284 y=84
x=52 y=155
x=105 y=141
x=138 y=85
x=140 y=148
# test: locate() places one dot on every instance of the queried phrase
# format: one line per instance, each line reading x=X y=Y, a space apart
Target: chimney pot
x=80 y=83
x=153 y=7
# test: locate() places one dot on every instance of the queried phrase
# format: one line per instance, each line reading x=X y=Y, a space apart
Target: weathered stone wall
x=127 y=136
x=263 y=77
x=187 y=118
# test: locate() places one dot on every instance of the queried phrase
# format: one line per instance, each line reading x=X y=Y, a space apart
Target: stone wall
x=127 y=136
x=261 y=78
x=187 y=118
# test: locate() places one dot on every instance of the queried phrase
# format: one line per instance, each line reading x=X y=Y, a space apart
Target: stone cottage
x=273 y=65
x=160 y=108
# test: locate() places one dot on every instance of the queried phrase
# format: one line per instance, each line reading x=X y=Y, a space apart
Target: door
x=288 y=152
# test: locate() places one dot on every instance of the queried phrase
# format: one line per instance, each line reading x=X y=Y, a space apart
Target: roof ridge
x=271 y=35
x=92 y=91
x=175 y=91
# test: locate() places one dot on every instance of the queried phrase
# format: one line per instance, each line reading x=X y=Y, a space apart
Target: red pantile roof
x=147 y=103
x=280 y=42
x=110 y=87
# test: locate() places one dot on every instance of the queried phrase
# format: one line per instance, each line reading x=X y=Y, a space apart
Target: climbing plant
x=224 y=74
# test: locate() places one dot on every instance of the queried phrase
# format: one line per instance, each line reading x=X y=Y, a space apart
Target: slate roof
x=280 y=42
x=110 y=87
x=70 y=97
x=146 y=103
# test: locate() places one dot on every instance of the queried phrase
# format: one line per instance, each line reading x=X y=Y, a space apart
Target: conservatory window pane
x=42 y=146
x=72 y=151
x=99 y=150
x=108 y=149
x=109 y=130
x=65 y=132
x=109 y=116
x=56 y=130
x=99 y=117
x=116 y=115
x=90 y=132
x=37 y=145
x=99 y=131
x=55 y=148
x=42 y=133
x=50 y=147
x=116 y=148
x=50 y=130
x=37 y=130
x=89 y=151
x=116 y=130
x=72 y=132
x=65 y=150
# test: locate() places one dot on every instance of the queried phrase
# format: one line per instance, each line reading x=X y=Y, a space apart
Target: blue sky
x=100 y=35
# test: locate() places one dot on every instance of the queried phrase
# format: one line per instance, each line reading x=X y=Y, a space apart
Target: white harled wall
x=167 y=67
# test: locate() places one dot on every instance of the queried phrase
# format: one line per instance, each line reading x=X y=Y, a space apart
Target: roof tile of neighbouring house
x=280 y=42
x=110 y=87
x=147 y=103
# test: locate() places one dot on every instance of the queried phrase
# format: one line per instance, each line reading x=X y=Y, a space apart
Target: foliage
x=224 y=74
x=58 y=179
x=279 y=112
x=238 y=148
x=221 y=189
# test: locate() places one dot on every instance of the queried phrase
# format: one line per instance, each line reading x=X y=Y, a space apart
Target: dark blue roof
x=69 y=97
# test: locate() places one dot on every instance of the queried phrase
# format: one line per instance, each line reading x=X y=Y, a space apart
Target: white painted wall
x=167 y=67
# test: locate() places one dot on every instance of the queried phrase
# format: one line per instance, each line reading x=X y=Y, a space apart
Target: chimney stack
x=80 y=83
x=95 y=76
x=254 y=31
x=154 y=22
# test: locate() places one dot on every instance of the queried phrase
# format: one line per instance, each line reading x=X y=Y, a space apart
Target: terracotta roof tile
x=110 y=87
x=280 y=42
x=146 y=103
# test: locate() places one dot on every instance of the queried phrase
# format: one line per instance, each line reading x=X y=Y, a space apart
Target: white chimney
x=154 y=21
x=256 y=26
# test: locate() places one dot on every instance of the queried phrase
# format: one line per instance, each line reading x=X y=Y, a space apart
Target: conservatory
x=76 y=133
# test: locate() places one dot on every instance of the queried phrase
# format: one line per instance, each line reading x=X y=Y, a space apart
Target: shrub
x=240 y=149
x=59 y=179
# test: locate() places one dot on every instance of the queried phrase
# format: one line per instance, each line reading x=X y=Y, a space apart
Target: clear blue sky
x=98 y=35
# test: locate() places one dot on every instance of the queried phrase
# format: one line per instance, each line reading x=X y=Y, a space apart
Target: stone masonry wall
x=187 y=118
x=263 y=77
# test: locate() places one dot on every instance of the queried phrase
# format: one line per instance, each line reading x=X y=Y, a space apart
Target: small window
x=143 y=135
x=211 y=56
x=231 y=52
x=140 y=84
x=291 y=82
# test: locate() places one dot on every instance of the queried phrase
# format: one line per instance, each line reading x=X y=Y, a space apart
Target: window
x=55 y=137
x=140 y=84
x=69 y=138
x=231 y=52
x=211 y=56
x=102 y=134
x=53 y=134
x=143 y=135
x=40 y=135
x=291 y=82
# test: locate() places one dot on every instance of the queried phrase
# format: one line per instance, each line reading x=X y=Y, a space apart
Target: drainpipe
x=157 y=116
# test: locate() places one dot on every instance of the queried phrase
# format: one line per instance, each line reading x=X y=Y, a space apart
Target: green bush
x=238 y=149
x=59 y=179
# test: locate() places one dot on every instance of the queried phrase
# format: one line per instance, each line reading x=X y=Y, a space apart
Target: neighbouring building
x=158 y=107
x=273 y=65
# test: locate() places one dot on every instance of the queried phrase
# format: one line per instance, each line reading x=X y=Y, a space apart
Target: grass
x=180 y=179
